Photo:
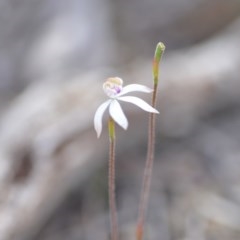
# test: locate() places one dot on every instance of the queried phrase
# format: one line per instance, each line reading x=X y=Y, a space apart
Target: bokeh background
x=54 y=57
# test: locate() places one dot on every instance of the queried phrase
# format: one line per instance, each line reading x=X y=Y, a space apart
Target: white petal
x=134 y=88
x=98 y=117
x=139 y=102
x=117 y=114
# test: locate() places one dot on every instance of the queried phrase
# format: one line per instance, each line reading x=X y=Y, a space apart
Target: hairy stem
x=147 y=176
x=111 y=181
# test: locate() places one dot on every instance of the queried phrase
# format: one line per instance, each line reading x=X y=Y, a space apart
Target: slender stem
x=111 y=181
x=147 y=176
x=147 y=171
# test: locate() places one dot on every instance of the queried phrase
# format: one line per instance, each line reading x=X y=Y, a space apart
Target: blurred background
x=54 y=57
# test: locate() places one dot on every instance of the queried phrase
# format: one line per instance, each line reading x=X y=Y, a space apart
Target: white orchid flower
x=114 y=90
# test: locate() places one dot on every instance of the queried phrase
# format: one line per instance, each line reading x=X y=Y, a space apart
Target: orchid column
x=113 y=87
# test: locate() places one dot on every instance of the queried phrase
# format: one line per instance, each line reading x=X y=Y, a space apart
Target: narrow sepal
x=138 y=102
x=99 y=115
x=134 y=88
x=117 y=114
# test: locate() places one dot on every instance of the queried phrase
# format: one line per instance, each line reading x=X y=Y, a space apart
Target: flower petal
x=117 y=114
x=99 y=115
x=139 y=102
x=134 y=88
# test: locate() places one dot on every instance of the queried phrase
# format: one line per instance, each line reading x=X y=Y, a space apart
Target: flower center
x=113 y=86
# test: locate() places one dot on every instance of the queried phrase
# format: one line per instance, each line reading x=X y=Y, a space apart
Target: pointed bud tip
x=161 y=46
x=159 y=51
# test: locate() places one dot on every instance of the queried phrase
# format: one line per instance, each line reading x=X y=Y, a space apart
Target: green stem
x=147 y=176
x=111 y=181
